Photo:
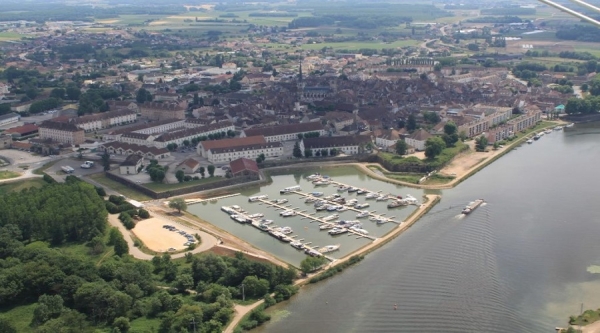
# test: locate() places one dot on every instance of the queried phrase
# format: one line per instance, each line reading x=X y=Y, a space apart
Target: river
x=518 y=264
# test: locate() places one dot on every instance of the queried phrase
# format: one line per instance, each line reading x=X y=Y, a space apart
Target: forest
x=64 y=270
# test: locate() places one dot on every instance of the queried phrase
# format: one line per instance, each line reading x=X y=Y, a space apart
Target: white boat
x=362 y=214
x=529 y=141
x=352 y=189
x=258 y=197
x=411 y=200
x=310 y=199
x=337 y=231
x=359 y=192
x=342 y=208
x=312 y=253
x=290 y=189
x=286 y=230
x=322 y=183
x=362 y=205
x=372 y=195
x=332 y=208
x=316 y=194
x=351 y=202
x=330 y=217
x=548 y=131
x=313 y=176
x=382 y=221
x=228 y=210
x=382 y=198
x=281 y=201
x=558 y=128
x=320 y=208
x=342 y=188
x=266 y=222
x=325 y=226
x=570 y=125
x=287 y=213
x=297 y=245
x=257 y=215
x=397 y=203
x=329 y=248
x=236 y=208
x=239 y=218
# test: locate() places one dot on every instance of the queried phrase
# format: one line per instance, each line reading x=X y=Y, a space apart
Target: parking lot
x=56 y=169
x=159 y=239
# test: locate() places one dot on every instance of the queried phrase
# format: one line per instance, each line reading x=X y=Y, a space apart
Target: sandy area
x=158 y=239
x=158 y=22
x=464 y=162
x=108 y=21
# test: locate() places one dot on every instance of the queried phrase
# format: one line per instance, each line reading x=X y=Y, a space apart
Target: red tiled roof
x=235 y=142
x=23 y=129
x=242 y=164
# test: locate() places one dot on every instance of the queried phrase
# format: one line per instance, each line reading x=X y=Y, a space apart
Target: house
x=205 y=146
x=252 y=151
x=122 y=148
x=387 y=138
x=61 y=132
x=286 y=132
x=348 y=145
x=108 y=119
x=9 y=118
x=243 y=167
x=188 y=166
x=131 y=165
x=417 y=139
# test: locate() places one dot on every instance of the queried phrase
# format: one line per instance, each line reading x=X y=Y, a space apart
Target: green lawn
x=5 y=174
x=20 y=185
x=143 y=325
x=44 y=167
x=4 y=36
x=118 y=187
x=161 y=187
x=588 y=317
x=20 y=316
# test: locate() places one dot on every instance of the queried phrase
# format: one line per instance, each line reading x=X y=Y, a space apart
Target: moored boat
x=255 y=216
x=337 y=231
x=310 y=200
x=329 y=248
x=360 y=192
x=316 y=194
x=326 y=226
x=352 y=189
x=287 y=213
x=258 y=197
x=297 y=245
x=362 y=214
x=529 y=141
x=330 y=217
x=362 y=205
x=397 y=203
x=372 y=195
x=281 y=201
x=290 y=189
x=382 y=198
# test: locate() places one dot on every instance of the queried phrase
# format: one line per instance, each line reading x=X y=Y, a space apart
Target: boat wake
x=459 y=216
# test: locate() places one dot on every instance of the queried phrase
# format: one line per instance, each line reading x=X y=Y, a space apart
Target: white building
x=348 y=145
x=284 y=132
x=251 y=151
x=178 y=137
x=131 y=165
x=104 y=120
x=9 y=118
x=417 y=139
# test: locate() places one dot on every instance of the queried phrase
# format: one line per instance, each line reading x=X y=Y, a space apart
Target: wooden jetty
x=307 y=216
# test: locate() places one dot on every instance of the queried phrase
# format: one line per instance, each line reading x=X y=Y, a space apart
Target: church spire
x=300 y=74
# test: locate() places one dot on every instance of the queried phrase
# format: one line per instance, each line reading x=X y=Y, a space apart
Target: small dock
x=313 y=218
x=213 y=199
x=371 y=214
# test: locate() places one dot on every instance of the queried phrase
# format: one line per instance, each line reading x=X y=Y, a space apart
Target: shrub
x=143 y=213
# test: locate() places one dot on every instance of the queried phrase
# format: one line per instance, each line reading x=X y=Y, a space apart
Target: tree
x=255 y=287
x=310 y=264
x=481 y=143
x=179 y=204
x=121 y=248
x=324 y=152
x=121 y=325
x=401 y=147
x=411 y=123
x=58 y=93
x=201 y=170
x=106 y=160
x=450 y=134
x=211 y=170
x=431 y=117
x=184 y=282
x=6 y=326
x=143 y=96
x=297 y=151
x=179 y=175
x=73 y=93
x=333 y=152
x=434 y=146
x=308 y=153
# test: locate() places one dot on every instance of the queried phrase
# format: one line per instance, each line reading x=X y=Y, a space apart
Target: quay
x=308 y=216
x=194 y=201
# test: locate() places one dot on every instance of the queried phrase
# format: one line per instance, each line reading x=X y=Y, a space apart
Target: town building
x=122 y=148
x=9 y=118
x=183 y=134
x=387 y=138
x=132 y=165
x=348 y=145
x=204 y=146
x=61 y=132
x=162 y=111
x=188 y=166
x=243 y=167
x=417 y=139
x=286 y=132
x=22 y=131
x=251 y=151
x=104 y=120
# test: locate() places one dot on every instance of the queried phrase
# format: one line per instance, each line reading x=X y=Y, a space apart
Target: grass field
x=144 y=324
x=5 y=174
x=20 y=317
x=118 y=187
x=5 y=36
x=21 y=185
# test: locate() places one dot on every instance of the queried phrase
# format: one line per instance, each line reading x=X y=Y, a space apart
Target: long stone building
x=286 y=132
x=162 y=111
x=61 y=132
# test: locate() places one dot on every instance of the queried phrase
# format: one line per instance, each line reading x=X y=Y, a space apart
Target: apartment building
x=9 y=118
x=286 y=132
x=104 y=120
x=249 y=151
x=348 y=145
x=61 y=132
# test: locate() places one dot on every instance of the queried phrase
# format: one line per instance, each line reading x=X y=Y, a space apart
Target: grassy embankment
x=162 y=187
x=17 y=186
x=586 y=318
x=118 y=187
x=6 y=174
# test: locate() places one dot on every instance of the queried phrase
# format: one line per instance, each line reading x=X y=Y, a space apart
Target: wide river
x=518 y=264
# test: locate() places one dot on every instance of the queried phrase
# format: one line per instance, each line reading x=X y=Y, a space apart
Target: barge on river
x=472 y=205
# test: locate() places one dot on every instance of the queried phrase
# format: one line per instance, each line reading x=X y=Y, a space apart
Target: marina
x=310 y=223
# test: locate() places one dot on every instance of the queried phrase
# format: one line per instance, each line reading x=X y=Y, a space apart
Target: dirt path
x=591 y=328
x=240 y=312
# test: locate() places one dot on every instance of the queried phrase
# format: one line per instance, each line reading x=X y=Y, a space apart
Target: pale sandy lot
x=156 y=238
